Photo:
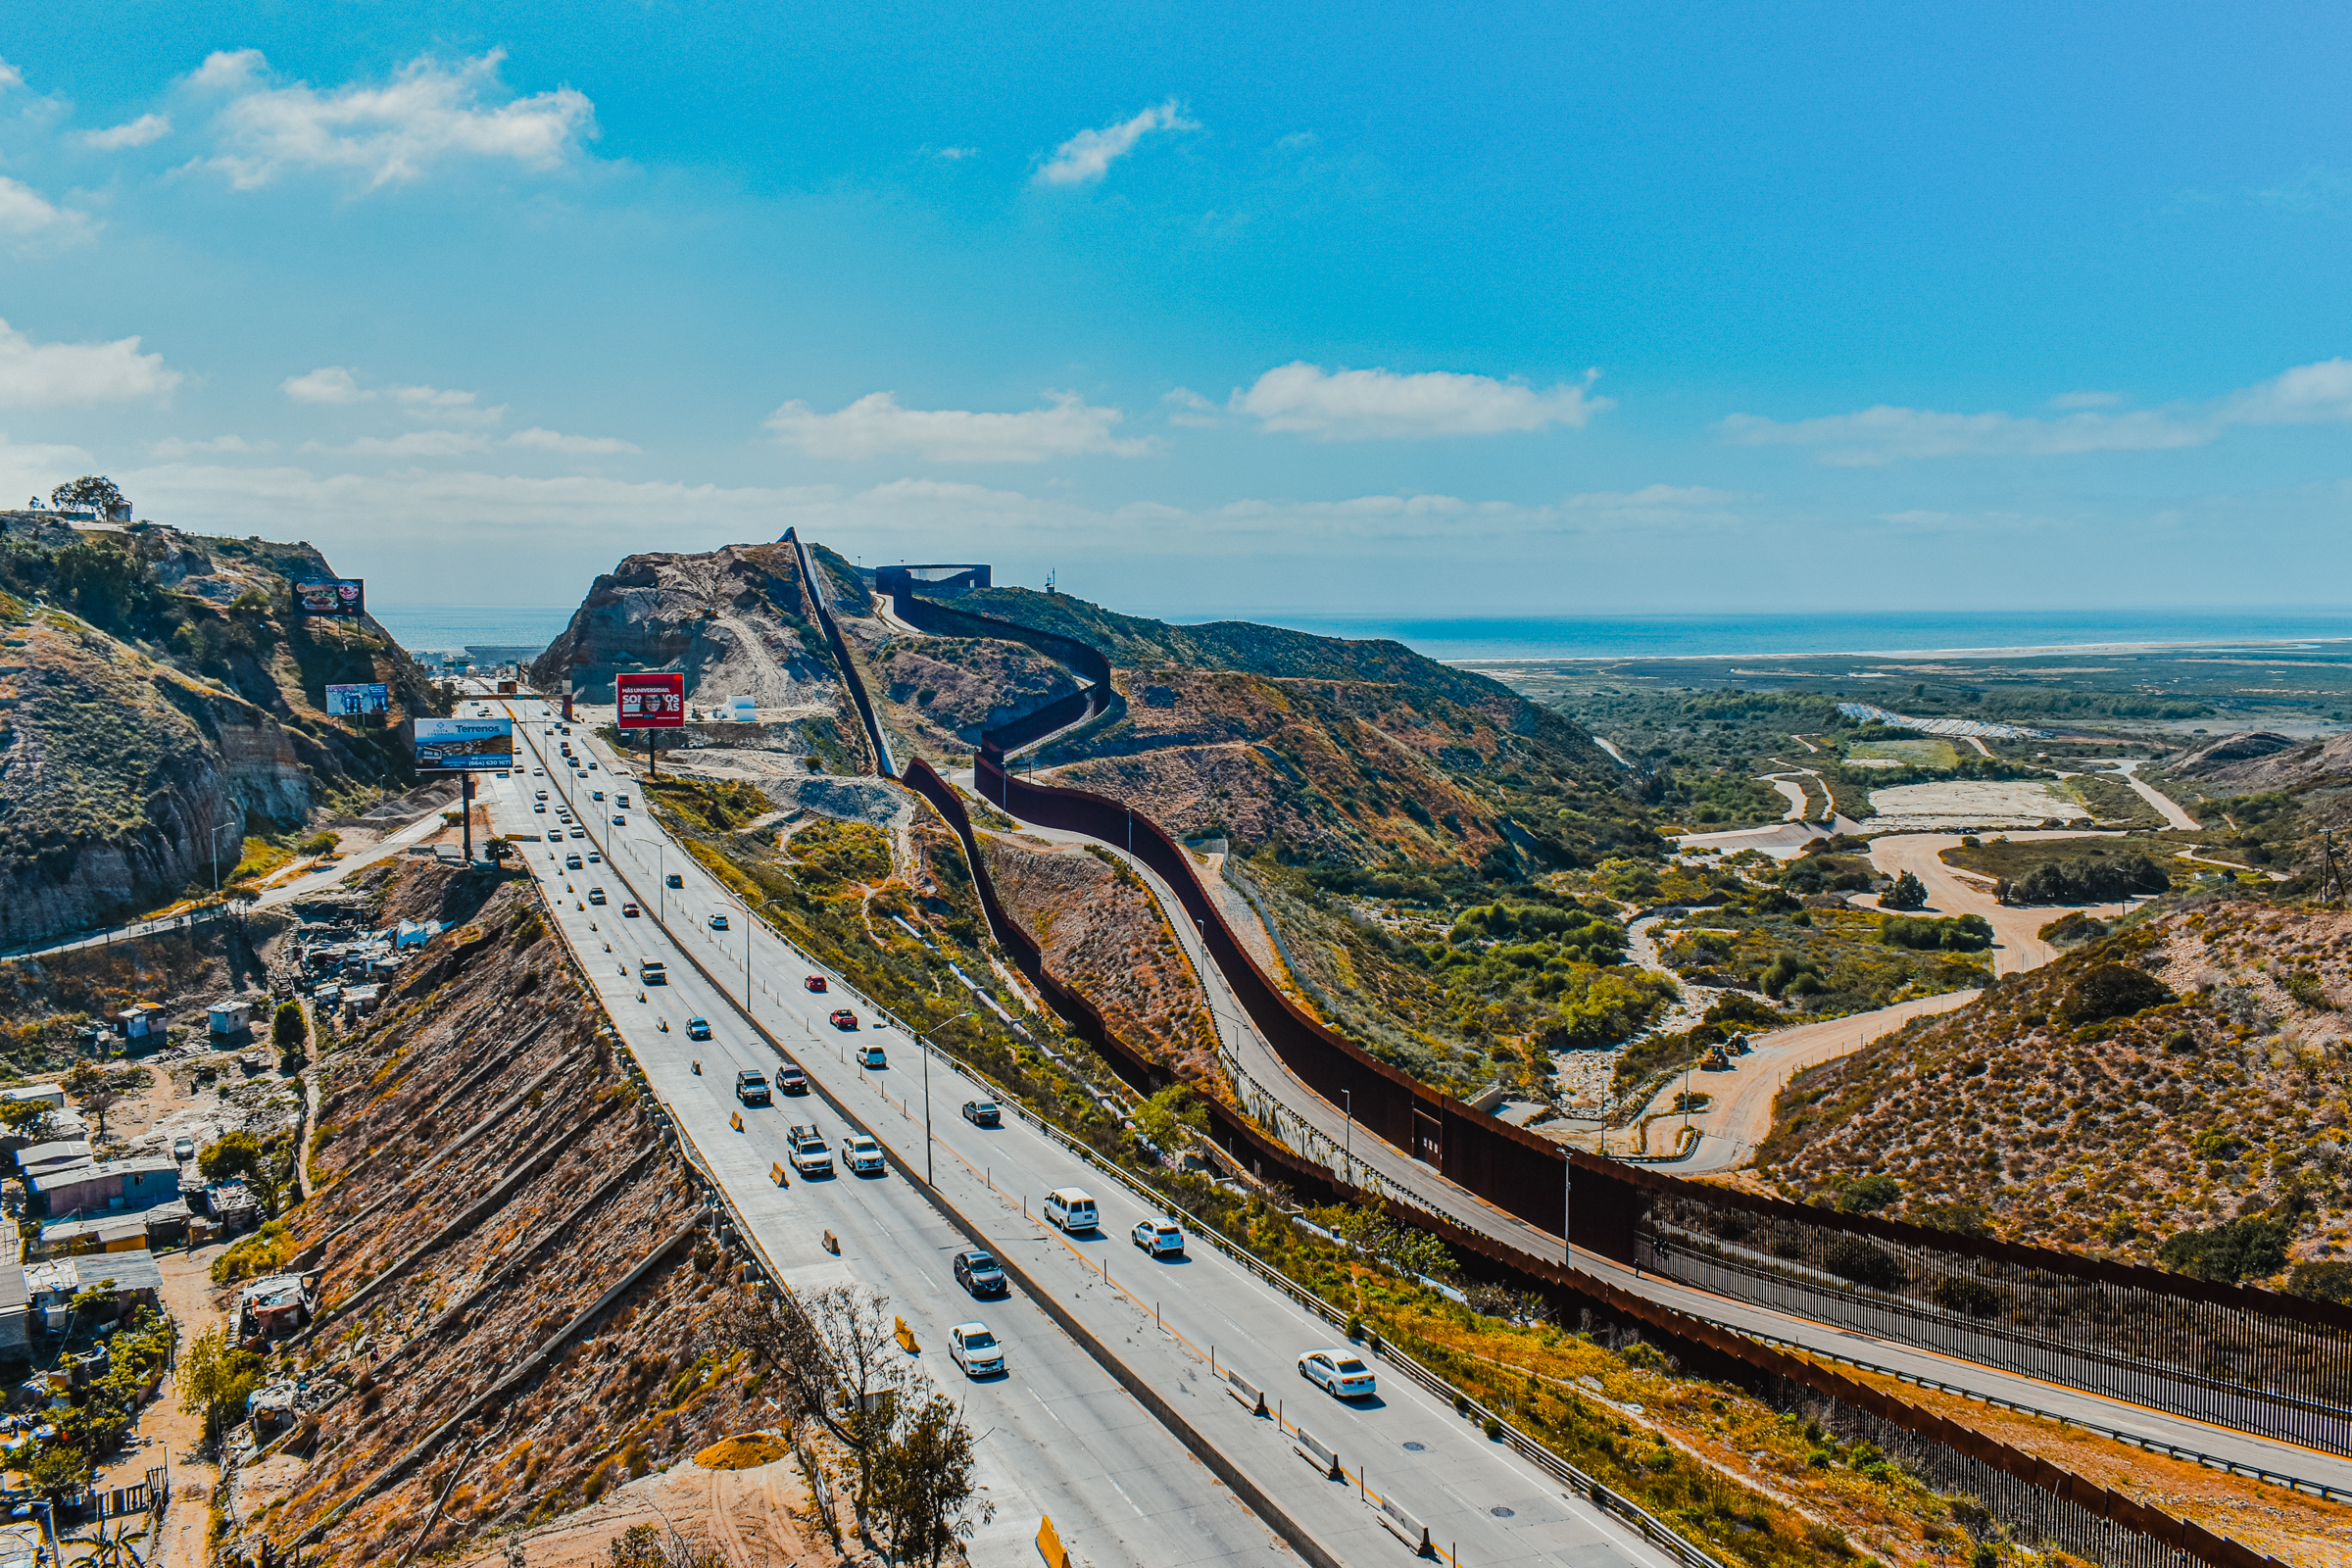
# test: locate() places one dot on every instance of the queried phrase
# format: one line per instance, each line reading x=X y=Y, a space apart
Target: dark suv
x=791 y=1079
x=751 y=1087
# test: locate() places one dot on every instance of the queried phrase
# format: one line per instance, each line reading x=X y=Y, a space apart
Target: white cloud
x=1660 y=505
x=414 y=444
x=1088 y=155
x=2086 y=400
x=2309 y=394
x=31 y=470
x=27 y=216
x=37 y=375
x=1188 y=407
x=2317 y=189
x=329 y=383
x=131 y=133
x=171 y=448
x=544 y=440
x=953 y=155
x=337 y=384
x=10 y=76
x=875 y=425
x=428 y=114
x=1383 y=404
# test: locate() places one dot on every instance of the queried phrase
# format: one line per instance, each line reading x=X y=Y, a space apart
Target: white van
x=1070 y=1208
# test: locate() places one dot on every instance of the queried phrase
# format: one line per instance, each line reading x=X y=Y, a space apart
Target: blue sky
x=1212 y=309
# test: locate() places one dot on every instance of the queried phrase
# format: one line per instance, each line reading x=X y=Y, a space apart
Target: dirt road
x=1951 y=893
x=1733 y=1126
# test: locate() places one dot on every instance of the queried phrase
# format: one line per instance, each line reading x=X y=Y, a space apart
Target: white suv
x=862 y=1154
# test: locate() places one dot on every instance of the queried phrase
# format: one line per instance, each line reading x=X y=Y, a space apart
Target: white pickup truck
x=863 y=1154
x=809 y=1156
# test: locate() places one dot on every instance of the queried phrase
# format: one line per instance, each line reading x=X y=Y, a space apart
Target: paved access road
x=1061 y=1435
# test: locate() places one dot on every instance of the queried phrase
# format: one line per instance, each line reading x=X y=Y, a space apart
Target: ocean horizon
x=1475 y=638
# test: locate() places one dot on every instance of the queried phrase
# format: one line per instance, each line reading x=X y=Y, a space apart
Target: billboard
x=651 y=701
x=445 y=744
x=331 y=596
x=359 y=700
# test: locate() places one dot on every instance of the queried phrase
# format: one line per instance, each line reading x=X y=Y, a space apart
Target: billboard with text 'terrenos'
x=447 y=744
x=650 y=700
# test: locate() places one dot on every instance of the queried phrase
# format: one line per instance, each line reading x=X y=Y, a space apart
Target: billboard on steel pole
x=444 y=745
x=331 y=596
x=652 y=699
x=358 y=700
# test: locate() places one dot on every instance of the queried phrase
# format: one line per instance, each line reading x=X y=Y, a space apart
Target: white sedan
x=976 y=1350
x=1339 y=1373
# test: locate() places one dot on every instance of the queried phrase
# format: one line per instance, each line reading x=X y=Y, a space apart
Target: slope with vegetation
x=159 y=700
x=2171 y=1092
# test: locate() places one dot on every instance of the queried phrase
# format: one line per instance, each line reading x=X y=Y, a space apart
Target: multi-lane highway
x=1061 y=1435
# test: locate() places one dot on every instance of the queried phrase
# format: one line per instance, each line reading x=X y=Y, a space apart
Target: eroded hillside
x=1103 y=935
x=518 y=1296
x=2185 y=1076
x=158 y=701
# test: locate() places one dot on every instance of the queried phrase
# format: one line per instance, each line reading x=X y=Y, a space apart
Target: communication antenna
x=1050 y=588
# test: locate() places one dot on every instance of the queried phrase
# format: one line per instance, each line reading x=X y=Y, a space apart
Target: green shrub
x=1961 y=1293
x=1908 y=893
x=2111 y=991
x=2324 y=1282
x=1850 y=1258
x=1867 y=1195
x=1967 y=933
x=2231 y=1251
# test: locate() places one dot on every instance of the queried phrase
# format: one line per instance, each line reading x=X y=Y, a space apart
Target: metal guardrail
x=2174 y=1450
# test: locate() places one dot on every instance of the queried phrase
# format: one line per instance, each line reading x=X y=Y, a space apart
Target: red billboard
x=653 y=701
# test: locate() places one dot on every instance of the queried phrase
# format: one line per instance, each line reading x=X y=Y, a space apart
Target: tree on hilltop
x=93 y=490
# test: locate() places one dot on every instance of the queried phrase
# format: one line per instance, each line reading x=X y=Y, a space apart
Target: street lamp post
x=1347 y=1136
x=924 y=1040
x=216 y=832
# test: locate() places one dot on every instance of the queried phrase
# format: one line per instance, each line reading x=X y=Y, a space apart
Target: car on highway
x=673 y=880
x=976 y=1350
x=541 y=810
x=538 y=772
x=843 y=1018
x=1159 y=1238
x=718 y=922
x=571 y=862
x=621 y=799
x=594 y=858
x=596 y=795
x=751 y=1087
x=1339 y=1373
x=806 y=1147
x=538 y=795
x=698 y=1028
x=983 y=1114
x=791 y=1079
x=863 y=1154
x=815 y=982
x=596 y=895
x=1072 y=1208
x=870 y=1054
x=629 y=911
x=619 y=820
x=580 y=832
x=980 y=1273
x=652 y=972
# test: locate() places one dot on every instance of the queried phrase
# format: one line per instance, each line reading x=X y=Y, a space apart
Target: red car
x=844 y=1019
x=629 y=910
x=815 y=982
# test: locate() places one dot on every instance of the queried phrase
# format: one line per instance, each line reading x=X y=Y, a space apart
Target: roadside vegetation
x=2171 y=1092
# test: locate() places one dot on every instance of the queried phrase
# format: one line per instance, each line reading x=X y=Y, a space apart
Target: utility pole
x=466 y=814
x=924 y=1040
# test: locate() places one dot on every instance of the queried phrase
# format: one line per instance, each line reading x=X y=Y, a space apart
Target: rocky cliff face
x=734 y=620
x=157 y=701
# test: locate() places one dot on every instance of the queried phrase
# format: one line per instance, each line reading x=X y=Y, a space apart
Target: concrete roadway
x=1061 y=1437
x=1433 y=1191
